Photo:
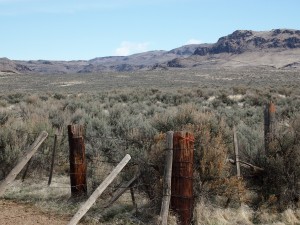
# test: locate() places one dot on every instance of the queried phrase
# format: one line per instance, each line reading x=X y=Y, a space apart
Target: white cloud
x=128 y=48
x=193 y=41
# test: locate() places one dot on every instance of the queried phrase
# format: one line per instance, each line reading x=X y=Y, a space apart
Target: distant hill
x=242 y=41
x=278 y=48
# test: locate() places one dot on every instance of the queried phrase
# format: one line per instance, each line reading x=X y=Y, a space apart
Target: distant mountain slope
x=279 y=48
x=241 y=41
x=10 y=66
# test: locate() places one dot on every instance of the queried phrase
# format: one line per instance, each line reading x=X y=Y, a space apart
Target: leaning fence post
x=15 y=171
x=182 y=200
x=167 y=180
x=77 y=161
x=26 y=170
x=269 y=126
x=236 y=151
x=53 y=159
x=85 y=207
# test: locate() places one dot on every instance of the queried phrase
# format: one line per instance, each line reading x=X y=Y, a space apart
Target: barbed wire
x=88 y=137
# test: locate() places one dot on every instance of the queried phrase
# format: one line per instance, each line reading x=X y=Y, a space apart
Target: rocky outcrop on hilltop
x=175 y=63
x=187 y=50
x=242 y=41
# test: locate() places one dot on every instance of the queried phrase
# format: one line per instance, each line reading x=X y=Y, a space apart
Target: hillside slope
x=279 y=48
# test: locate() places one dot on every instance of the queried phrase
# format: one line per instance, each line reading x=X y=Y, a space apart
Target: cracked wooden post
x=269 y=126
x=77 y=161
x=15 y=171
x=163 y=220
x=182 y=199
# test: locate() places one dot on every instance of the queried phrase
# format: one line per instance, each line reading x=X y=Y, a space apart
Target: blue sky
x=85 y=29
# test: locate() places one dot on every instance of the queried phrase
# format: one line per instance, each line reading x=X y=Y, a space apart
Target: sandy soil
x=12 y=213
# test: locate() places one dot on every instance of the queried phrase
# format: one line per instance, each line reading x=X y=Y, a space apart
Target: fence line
x=107 y=151
x=98 y=164
x=94 y=164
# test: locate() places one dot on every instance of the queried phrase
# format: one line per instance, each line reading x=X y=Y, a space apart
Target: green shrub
x=282 y=177
x=239 y=90
x=59 y=96
x=15 y=98
x=3 y=103
x=3 y=117
x=224 y=99
x=56 y=119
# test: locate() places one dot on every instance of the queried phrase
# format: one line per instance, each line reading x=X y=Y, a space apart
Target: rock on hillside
x=246 y=40
x=9 y=66
x=187 y=50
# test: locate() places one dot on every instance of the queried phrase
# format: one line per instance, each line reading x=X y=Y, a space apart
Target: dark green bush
x=15 y=98
x=3 y=117
x=59 y=96
x=282 y=178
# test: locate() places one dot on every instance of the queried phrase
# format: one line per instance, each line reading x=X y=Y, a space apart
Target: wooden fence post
x=53 y=159
x=236 y=151
x=77 y=161
x=182 y=199
x=123 y=187
x=85 y=207
x=132 y=197
x=15 y=171
x=167 y=180
x=26 y=170
x=269 y=126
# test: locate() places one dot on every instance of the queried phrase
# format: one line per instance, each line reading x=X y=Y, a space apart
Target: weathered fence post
x=236 y=151
x=167 y=180
x=132 y=196
x=91 y=200
x=77 y=161
x=123 y=187
x=26 y=170
x=15 y=171
x=269 y=126
x=182 y=200
x=53 y=159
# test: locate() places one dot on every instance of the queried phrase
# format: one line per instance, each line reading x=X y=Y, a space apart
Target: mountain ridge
x=278 y=48
x=243 y=40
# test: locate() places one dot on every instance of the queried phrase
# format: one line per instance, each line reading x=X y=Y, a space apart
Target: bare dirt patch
x=69 y=83
x=25 y=214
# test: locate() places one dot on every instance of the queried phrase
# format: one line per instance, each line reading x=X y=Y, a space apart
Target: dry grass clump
x=207 y=214
x=172 y=219
x=287 y=217
x=32 y=99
